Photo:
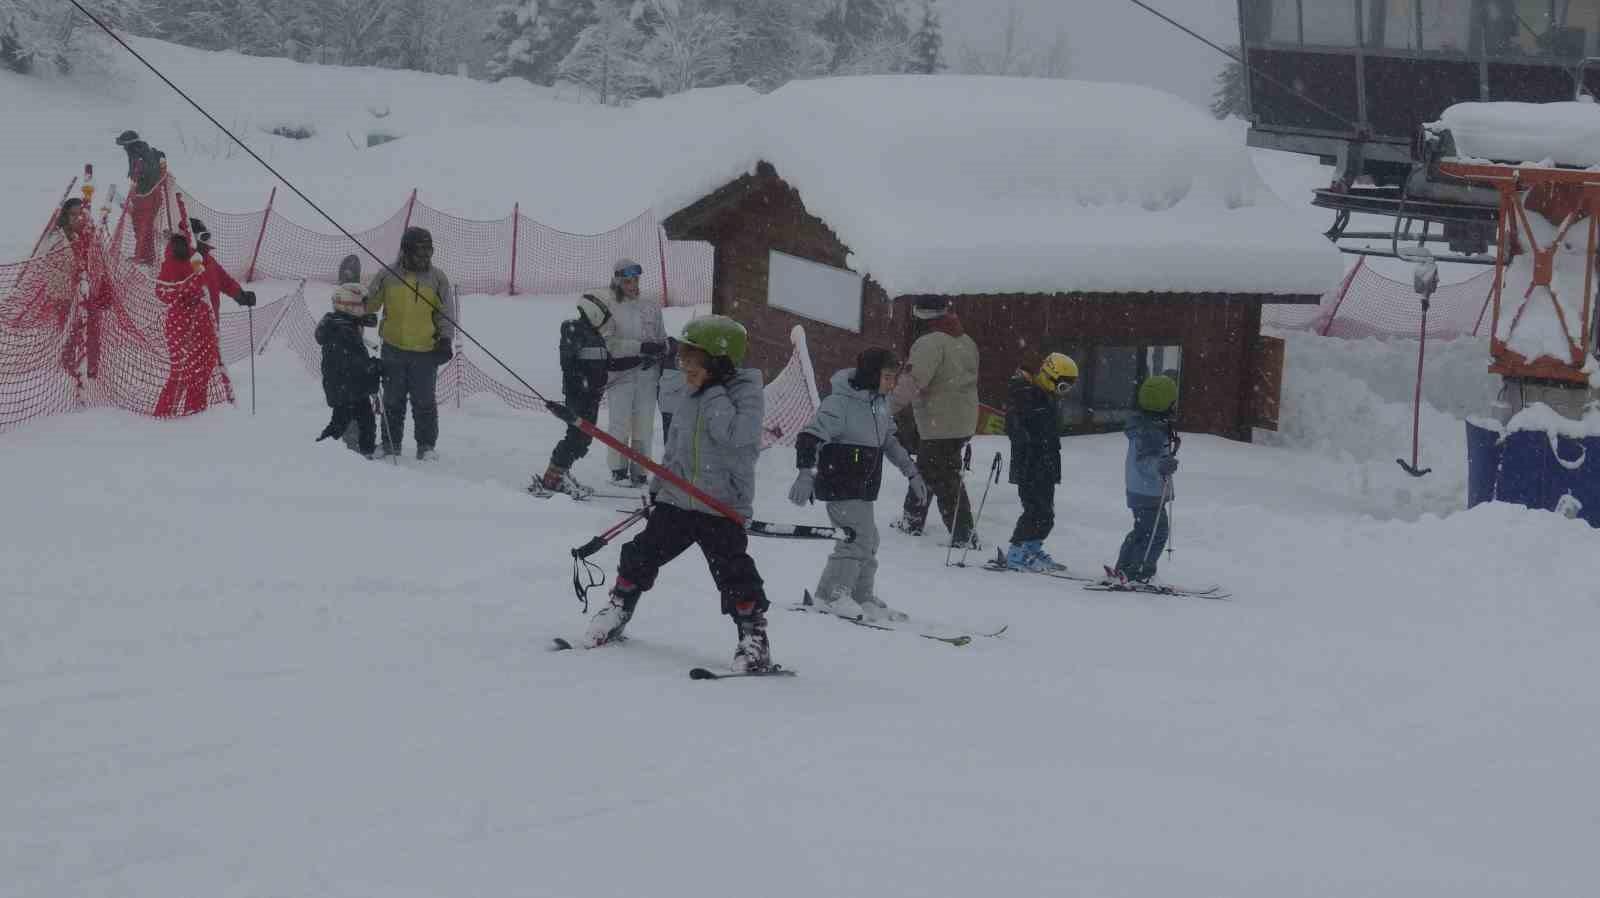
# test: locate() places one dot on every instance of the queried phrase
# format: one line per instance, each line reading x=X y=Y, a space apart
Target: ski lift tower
x=1540 y=160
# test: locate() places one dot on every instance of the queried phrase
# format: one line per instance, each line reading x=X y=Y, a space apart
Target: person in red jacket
x=191 y=332
x=218 y=281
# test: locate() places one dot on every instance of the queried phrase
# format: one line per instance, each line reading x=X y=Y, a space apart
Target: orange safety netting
x=1368 y=304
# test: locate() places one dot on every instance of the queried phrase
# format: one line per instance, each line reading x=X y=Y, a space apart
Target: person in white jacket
x=634 y=329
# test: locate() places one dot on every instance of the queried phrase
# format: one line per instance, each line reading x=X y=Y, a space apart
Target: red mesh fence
x=81 y=327
x=1368 y=304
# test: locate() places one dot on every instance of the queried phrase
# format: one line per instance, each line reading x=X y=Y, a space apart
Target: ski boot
x=839 y=603
x=619 y=475
x=608 y=623
x=874 y=610
x=559 y=480
x=754 y=653
x=1039 y=556
x=907 y=525
x=966 y=541
x=427 y=453
x=1020 y=558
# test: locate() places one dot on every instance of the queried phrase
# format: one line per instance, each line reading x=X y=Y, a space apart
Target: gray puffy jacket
x=848 y=440
x=713 y=444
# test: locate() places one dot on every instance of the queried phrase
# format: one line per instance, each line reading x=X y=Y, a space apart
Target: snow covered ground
x=236 y=662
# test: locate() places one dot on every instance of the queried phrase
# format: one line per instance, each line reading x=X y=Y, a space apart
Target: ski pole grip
x=589 y=548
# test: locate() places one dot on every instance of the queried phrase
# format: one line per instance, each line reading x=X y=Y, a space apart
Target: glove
x=246 y=298
x=919 y=489
x=442 y=352
x=1167 y=466
x=800 y=493
x=562 y=412
x=652 y=348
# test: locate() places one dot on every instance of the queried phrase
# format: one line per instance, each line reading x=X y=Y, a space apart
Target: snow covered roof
x=997 y=185
x=1565 y=133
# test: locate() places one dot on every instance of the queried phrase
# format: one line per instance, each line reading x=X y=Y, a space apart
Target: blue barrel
x=1534 y=468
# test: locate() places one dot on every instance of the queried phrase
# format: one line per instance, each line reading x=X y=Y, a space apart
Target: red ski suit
x=191 y=331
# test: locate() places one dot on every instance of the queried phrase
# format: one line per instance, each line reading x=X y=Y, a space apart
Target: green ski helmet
x=717 y=336
x=1158 y=394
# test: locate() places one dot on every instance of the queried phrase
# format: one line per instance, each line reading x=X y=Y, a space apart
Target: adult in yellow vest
x=419 y=310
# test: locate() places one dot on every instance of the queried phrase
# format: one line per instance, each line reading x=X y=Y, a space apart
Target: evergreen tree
x=35 y=34
x=779 y=42
x=927 y=44
x=691 y=44
x=1228 y=97
x=605 y=58
x=532 y=37
x=860 y=31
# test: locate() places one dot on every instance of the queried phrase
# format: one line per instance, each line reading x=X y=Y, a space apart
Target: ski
x=958 y=639
x=1214 y=592
x=998 y=564
x=701 y=673
x=798 y=531
x=560 y=644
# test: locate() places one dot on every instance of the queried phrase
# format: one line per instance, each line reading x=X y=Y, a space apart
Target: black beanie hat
x=870 y=365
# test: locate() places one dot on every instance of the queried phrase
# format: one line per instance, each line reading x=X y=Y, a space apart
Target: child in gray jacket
x=847 y=442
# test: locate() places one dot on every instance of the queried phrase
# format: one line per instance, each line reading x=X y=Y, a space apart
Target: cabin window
x=1329 y=23
x=1441 y=26
x=1108 y=382
x=1540 y=28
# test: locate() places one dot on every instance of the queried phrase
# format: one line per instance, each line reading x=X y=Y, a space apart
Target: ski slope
x=235 y=662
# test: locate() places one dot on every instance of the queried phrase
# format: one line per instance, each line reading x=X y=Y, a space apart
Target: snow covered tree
x=530 y=38
x=48 y=33
x=863 y=33
x=607 y=57
x=927 y=43
x=690 y=45
x=1227 y=96
x=1019 y=56
x=779 y=42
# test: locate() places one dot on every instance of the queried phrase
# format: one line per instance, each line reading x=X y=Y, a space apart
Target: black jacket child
x=349 y=373
x=1033 y=426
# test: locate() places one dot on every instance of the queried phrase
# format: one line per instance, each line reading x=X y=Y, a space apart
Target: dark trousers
x=1142 y=547
x=360 y=414
x=939 y=462
x=1038 y=511
x=671 y=530
x=575 y=443
x=413 y=376
x=666 y=426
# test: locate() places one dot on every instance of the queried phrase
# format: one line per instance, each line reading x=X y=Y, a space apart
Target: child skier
x=1034 y=425
x=349 y=374
x=715 y=437
x=855 y=433
x=586 y=367
x=1148 y=471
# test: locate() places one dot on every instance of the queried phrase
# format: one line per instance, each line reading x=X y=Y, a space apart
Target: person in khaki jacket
x=944 y=370
x=417 y=332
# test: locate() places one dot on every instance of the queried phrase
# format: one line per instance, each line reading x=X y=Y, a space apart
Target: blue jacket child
x=1148 y=473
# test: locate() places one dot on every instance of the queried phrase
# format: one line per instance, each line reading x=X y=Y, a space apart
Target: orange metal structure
x=1565 y=197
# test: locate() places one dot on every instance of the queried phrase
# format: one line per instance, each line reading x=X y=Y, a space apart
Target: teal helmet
x=717 y=336
x=1158 y=394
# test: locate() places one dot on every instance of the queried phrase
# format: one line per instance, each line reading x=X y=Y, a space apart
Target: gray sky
x=1112 y=40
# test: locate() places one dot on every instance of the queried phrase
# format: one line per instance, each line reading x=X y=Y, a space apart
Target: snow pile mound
x=1547 y=133
x=1349 y=403
x=977 y=185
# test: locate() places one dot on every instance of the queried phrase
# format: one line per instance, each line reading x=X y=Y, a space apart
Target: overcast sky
x=1112 y=40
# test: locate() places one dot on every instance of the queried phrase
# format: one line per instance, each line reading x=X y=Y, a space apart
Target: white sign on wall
x=816 y=291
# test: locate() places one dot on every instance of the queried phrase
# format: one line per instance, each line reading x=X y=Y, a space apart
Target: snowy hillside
x=236 y=662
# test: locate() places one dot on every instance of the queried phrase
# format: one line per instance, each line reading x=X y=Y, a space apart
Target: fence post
x=250 y=273
x=411 y=206
x=661 y=251
x=1343 y=290
x=516 y=220
x=1487 y=296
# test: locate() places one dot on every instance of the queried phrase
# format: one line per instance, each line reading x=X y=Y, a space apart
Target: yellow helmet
x=1057 y=373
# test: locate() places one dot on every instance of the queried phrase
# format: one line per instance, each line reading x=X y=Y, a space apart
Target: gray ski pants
x=853 y=566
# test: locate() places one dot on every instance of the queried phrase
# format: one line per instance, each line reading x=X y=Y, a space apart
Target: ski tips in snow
x=701 y=673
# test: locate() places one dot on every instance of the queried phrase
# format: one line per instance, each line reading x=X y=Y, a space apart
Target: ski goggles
x=629 y=271
x=1065 y=385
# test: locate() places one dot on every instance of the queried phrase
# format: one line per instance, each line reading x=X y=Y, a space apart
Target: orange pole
x=250 y=274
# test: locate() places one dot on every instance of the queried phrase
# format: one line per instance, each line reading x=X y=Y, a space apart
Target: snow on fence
x=1368 y=304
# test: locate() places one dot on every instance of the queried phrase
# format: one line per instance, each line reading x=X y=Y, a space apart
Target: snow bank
x=1566 y=133
x=1348 y=403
